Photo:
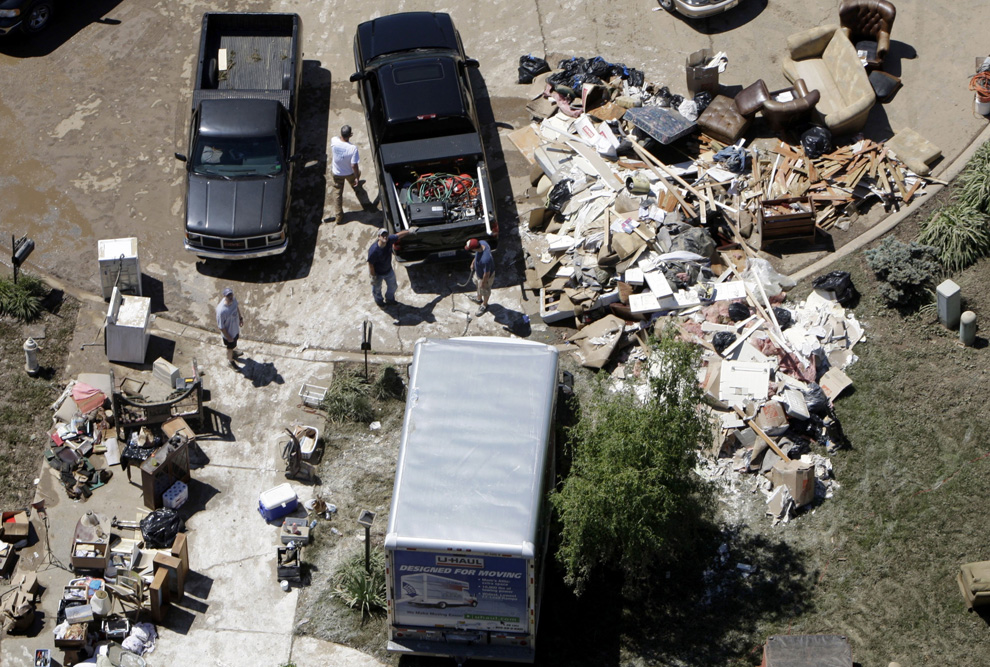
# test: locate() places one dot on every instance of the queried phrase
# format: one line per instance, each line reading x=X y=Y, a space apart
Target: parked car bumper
x=10 y=25
x=208 y=253
x=701 y=11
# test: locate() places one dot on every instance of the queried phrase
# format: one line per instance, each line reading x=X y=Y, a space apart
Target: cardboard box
x=799 y=478
x=699 y=77
x=772 y=418
x=176 y=576
x=16 y=526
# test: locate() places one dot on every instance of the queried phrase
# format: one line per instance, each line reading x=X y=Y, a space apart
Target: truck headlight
x=276 y=238
x=9 y=13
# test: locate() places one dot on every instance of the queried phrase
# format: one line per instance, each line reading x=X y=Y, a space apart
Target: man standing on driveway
x=483 y=266
x=380 y=265
x=344 y=167
x=229 y=321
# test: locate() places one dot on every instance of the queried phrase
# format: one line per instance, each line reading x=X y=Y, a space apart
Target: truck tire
x=474 y=603
x=667 y=4
x=441 y=605
x=38 y=17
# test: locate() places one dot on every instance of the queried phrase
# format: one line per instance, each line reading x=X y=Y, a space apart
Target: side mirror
x=471 y=62
x=358 y=76
x=180 y=157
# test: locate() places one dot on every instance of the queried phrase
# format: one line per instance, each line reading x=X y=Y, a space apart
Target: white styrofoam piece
x=733 y=289
x=634 y=276
x=645 y=302
x=658 y=284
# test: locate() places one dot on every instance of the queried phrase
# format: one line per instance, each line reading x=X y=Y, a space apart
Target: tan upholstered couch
x=974 y=582
x=827 y=61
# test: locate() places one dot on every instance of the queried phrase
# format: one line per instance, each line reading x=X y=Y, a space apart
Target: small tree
x=630 y=496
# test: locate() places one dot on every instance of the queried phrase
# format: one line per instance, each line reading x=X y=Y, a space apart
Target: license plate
x=447 y=253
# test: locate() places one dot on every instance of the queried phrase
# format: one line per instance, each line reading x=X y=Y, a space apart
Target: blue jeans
x=376 y=286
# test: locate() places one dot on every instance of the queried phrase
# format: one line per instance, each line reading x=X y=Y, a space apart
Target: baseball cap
x=345 y=131
x=228 y=292
x=472 y=244
x=383 y=232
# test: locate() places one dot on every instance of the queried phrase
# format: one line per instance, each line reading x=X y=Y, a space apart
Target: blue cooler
x=276 y=503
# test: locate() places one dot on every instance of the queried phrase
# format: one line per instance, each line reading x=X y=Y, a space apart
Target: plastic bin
x=277 y=502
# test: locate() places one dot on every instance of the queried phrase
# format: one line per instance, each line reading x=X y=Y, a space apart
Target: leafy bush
x=23 y=299
x=906 y=271
x=630 y=498
x=348 y=398
x=959 y=232
x=972 y=188
x=359 y=589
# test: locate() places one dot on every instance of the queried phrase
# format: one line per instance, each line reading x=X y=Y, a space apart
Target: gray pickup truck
x=242 y=136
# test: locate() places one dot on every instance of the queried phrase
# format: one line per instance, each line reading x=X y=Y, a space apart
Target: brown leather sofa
x=779 y=115
x=827 y=61
x=869 y=20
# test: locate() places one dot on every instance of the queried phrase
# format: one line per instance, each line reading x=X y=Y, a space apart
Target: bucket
x=982 y=105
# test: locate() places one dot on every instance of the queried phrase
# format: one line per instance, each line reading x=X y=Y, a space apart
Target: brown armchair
x=781 y=114
x=868 y=20
x=726 y=118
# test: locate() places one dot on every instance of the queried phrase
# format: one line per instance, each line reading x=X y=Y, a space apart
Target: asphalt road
x=92 y=111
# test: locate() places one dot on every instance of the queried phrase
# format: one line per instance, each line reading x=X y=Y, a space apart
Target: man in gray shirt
x=229 y=321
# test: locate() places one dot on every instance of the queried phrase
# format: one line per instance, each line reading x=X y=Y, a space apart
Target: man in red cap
x=483 y=268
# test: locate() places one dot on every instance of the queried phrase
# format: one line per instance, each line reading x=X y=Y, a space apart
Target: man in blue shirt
x=483 y=267
x=380 y=266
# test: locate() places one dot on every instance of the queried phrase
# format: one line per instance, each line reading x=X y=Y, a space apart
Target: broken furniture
x=18 y=609
x=132 y=410
x=127 y=328
x=160 y=471
x=914 y=150
x=974 y=582
x=780 y=112
x=827 y=61
x=867 y=24
x=807 y=651
x=726 y=118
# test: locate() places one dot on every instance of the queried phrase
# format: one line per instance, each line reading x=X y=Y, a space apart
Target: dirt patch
x=25 y=415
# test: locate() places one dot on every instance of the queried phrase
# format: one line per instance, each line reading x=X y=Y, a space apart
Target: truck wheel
x=442 y=605
x=474 y=603
x=38 y=17
x=667 y=4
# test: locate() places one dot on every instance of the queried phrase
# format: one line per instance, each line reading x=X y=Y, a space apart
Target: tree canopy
x=630 y=495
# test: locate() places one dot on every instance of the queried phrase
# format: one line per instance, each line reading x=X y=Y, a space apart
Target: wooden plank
x=759 y=431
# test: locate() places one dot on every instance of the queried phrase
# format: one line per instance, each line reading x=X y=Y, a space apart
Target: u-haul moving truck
x=466 y=540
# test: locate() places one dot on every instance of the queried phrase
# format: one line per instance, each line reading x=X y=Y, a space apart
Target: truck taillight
x=495 y=228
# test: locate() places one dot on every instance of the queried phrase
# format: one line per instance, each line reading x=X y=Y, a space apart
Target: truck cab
x=430 y=160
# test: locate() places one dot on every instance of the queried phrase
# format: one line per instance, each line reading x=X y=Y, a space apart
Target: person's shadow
x=261 y=375
x=405 y=315
x=512 y=321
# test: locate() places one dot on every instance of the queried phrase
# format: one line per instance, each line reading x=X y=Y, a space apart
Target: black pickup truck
x=412 y=78
x=242 y=136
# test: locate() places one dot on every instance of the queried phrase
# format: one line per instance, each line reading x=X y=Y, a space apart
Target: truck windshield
x=236 y=157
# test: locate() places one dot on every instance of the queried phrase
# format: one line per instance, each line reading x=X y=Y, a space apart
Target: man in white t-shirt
x=345 y=168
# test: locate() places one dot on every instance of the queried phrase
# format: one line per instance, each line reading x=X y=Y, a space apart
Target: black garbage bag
x=675 y=101
x=722 y=340
x=784 y=317
x=738 y=311
x=598 y=67
x=664 y=97
x=702 y=99
x=530 y=67
x=816 y=399
x=636 y=78
x=559 y=195
x=160 y=528
x=838 y=282
x=816 y=141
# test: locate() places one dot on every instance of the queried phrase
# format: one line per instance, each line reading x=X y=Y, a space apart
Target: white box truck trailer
x=467 y=534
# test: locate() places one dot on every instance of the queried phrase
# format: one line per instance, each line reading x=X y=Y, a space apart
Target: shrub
x=906 y=271
x=359 y=589
x=23 y=299
x=348 y=398
x=959 y=232
x=972 y=188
